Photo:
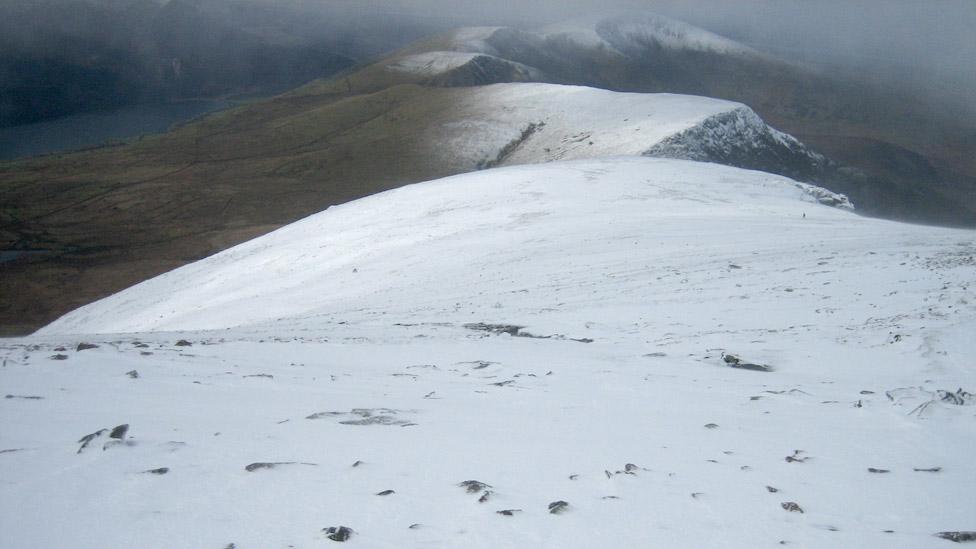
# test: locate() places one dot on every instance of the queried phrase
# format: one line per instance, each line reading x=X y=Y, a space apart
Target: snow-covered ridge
x=440 y=63
x=635 y=32
x=424 y=240
x=628 y=33
x=432 y=62
x=741 y=138
x=509 y=124
x=551 y=355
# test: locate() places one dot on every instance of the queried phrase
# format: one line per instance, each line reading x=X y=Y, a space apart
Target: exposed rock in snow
x=410 y=305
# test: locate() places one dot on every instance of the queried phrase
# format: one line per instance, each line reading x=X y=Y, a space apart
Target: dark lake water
x=90 y=129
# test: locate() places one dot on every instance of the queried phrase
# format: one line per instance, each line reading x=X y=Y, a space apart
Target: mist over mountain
x=63 y=56
x=59 y=57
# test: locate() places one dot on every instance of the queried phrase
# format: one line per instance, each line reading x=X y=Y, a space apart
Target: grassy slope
x=116 y=216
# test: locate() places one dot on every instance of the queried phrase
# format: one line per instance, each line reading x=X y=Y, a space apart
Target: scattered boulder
x=133 y=374
x=119 y=431
x=957 y=537
x=875 y=470
x=474 y=486
x=59 y=356
x=183 y=343
x=558 y=507
x=958 y=398
x=736 y=362
x=385 y=493
x=159 y=471
x=338 y=533
x=25 y=397
x=509 y=512
x=265 y=465
x=796 y=458
x=86 y=440
x=771 y=489
x=791 y=506
x=711 y=426
x=85 y=347
x=928 y=470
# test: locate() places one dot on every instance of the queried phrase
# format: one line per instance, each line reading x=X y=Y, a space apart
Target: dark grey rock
x=338 y=533
x=86 y=440
x=736 y=362
x=791 y=506
x=385 y=493
x=159 y=471
x=59 y=357
x=509 y=512
x=958 y=398
x=474 y=486
x=85 y=347
x=119 y=431
x=796 y=457
x=558 y=507
x=875 y=470
x=183 y=343
x=928 y=470
x=957 y=537
x=265 y=465
x=133 y=374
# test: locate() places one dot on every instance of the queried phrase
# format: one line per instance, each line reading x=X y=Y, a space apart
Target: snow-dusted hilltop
x=510 y=124
x=637 y=32
x=627 y=352
x=431 y=246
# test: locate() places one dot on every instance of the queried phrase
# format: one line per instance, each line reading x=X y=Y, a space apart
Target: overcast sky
x=926 y=43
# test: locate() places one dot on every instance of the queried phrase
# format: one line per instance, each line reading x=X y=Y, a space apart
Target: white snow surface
x=433 y=62
x=637 y=30
x=345 y=347
x=570 y=122
x=474 y=39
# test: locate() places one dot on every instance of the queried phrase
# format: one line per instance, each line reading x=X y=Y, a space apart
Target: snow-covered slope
x=559 y=332
x=509 y=124
x=480 y=68
x=637 y=31
x=368 y=253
